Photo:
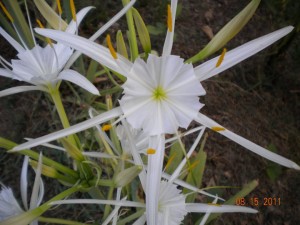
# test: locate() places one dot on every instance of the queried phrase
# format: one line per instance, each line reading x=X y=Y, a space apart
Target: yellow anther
x=221 y=58
x=106 y=127
x=111 y=48
x=169 y=22
x=151 y=151
x=41 y=26
x=218 y=128
x=59 y=7
x=171 y=159
x=213 y=204
x=73 y=11
x=6 y=12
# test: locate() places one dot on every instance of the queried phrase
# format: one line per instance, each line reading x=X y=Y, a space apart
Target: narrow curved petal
x=200 y=207
x=24 y=183
x=15 y=90
x=248 y=144
x=170 y=35
x=12 y=41
x=209 y=69
x=106 y=116
x=95 y=51
x=37 y=192
x=76 y=78
x=154 y=172
x=123 y=203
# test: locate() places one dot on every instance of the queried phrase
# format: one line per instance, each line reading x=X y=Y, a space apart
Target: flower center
x=159 y=93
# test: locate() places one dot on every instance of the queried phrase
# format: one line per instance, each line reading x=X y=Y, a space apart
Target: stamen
x=217 y=128
x=73 y=11
x=221 y=58
x=111 y=48
x=59 y=7
x=6 y=12
x=151 y=151
x=41 y=26
x=106 y=127
x=169 y=22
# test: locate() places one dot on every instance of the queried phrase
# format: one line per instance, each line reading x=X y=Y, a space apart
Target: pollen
x=73 y=11
x=106 y=127
x=6 y=12
x=218 y=128
x=159 y=93
x=151 y=151
x=221 y=58
x=169 y=21
x=111 y=48
x=59 y=7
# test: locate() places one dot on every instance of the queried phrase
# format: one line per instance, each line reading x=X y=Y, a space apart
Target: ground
x=258 y=99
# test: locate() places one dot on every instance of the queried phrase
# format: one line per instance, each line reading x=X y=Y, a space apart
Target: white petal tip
x=296 y=166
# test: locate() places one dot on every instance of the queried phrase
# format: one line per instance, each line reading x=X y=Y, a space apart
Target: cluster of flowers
x=160 y=95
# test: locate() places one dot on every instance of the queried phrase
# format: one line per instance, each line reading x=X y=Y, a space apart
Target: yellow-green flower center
x=159 y=93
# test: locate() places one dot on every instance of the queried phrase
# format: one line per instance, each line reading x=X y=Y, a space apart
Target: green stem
x=132 y=34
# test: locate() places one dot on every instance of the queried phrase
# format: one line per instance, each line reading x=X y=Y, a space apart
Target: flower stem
x=132 y=34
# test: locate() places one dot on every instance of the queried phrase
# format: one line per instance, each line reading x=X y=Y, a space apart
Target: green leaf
x=142 y=31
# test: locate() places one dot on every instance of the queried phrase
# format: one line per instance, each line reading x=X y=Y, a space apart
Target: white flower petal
x=170 y=35
x=154 y=171
x=209 y=69
x=106 y=116
x=200 y=207
x=140 y=221
x=6 y=73
x=9 y=206
x=93 y=50
x=37 y=190
x=248 y=144
x=76 y=78
x=15 y=90
x=24 y=183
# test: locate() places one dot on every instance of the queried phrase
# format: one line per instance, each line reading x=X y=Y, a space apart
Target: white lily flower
x=9 y=206
x=162 y=95
x=43 y=67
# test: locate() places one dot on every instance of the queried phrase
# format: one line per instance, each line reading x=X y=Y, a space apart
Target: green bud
x=127 y=175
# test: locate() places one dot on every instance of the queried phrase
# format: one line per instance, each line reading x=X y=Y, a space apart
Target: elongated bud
x=46 y=170
x=126 y=176
x=73 y=151
x=6 y=12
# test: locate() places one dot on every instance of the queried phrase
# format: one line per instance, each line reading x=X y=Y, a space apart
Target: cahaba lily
x=161 y=95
